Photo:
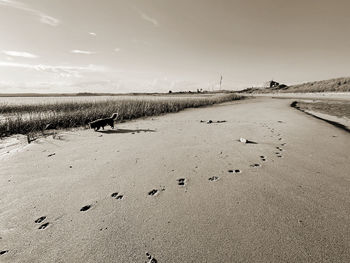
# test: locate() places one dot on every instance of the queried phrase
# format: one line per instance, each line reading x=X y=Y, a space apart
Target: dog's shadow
x=126 y=131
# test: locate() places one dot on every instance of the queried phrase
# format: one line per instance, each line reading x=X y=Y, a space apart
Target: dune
x=177 y=188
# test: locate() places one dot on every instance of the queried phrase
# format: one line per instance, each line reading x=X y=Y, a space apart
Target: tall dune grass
x=330 y=85
x=24 y=119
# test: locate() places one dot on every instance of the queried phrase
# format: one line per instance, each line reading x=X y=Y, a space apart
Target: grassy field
x=31 y=118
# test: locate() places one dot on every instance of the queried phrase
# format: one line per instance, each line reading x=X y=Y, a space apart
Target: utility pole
x=220 y=81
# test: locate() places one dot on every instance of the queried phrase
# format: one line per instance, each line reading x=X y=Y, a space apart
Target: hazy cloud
x=141 y=42
x=43 y=18
x=117 y=49
x=85 y=52
x=19 y=54
x=49 y=20
x=148 y=18
x=92 y=33
x=64 y=71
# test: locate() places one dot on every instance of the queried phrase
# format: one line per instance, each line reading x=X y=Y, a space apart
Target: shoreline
x=304 y=95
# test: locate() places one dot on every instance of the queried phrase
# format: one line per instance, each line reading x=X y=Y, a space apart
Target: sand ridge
x=175 y=189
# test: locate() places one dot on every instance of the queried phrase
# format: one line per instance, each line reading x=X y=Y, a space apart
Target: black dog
x=97 y=124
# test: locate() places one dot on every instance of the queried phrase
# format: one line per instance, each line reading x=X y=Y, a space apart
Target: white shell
x=243 y=140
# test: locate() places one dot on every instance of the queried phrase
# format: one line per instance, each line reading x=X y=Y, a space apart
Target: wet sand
x=183 y=190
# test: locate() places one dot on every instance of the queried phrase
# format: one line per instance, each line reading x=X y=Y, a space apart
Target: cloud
x=141 y=42
x=117 y=49
x=148 y=18
x=49 y=20
x=92 y=33
x=85 y=52
x=19 y=54
x=63 y=71
x=43 y=18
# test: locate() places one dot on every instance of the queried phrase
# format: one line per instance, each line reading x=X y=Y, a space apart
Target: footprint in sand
x=234 y=171
x=85 y=208
x=3 y=252
x=255 y=165
x=117 y=196
x=213 y=178
x=43 y=226
x=150 y=258
x=278 y=154
x=181 y=181
x=153 y=192
x=280 y=149
x=40 y=219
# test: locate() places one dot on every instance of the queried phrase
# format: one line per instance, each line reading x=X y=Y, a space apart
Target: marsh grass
x=28 y=119
x=339 y=109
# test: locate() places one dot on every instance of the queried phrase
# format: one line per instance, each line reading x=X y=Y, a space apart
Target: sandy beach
x=183 y=190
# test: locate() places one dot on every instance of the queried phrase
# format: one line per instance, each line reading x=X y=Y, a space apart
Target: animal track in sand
x=117 y=196
x=278 y=154
x=150 y=258
x=43 y=226
x=213 y=178
x=181 y=181
x=153 y=192
x=85 y=208
x=263 y=158
x=40 y=219
x=234 y=171
x=255 y=165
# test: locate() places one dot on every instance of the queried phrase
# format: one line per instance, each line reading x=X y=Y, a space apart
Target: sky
x=59 y=46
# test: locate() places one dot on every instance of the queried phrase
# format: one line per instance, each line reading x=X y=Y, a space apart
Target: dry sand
x=294 y=207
